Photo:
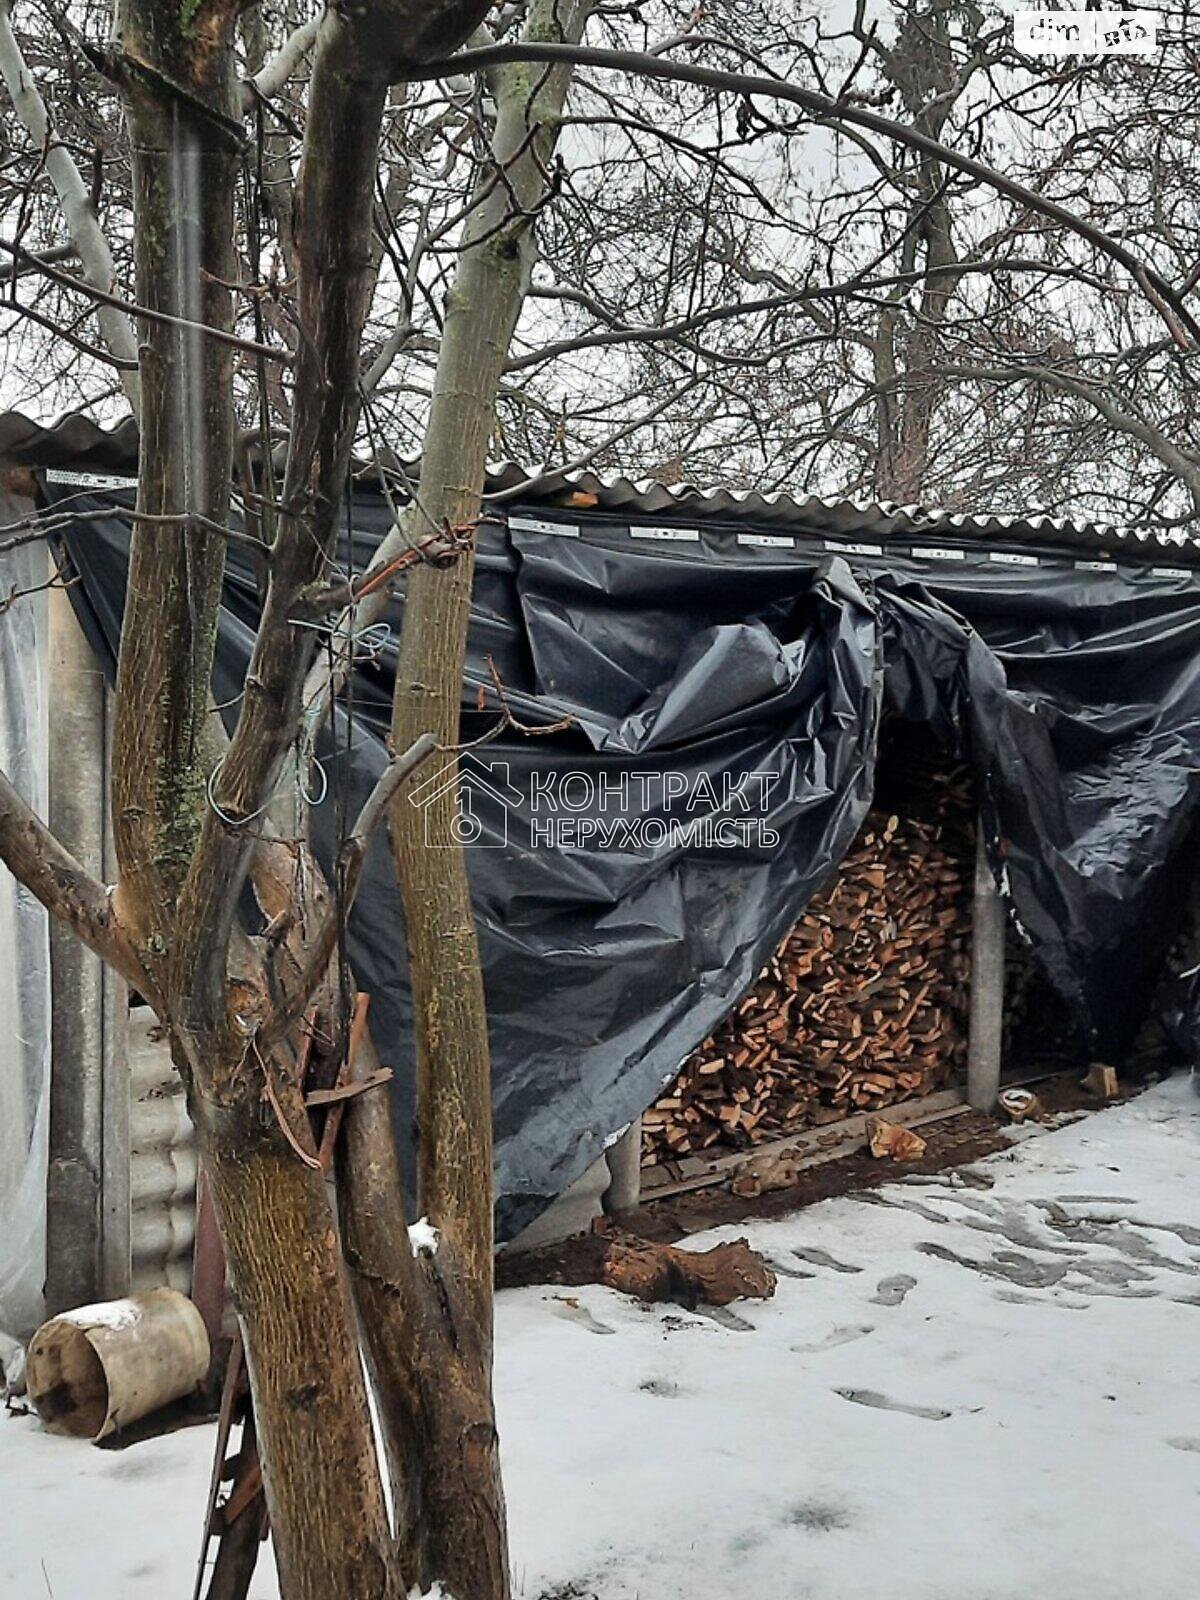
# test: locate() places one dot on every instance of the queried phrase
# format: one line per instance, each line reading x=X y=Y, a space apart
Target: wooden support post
x=208 y=1265
x=987 y=985
x=624 y=1159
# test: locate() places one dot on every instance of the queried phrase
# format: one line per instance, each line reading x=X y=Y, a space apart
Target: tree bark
x=433 y=1349
x=453 y=1069
x=179 y=99
x=432 y=1365
x=322 y=1481
x=320 y=1469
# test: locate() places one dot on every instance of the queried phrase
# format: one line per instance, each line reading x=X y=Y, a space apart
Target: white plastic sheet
x=24 y=946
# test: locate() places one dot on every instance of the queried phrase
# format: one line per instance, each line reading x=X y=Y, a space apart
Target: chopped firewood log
x=1102 y=1081
x=890 y=1142
x=1019 y=1105
x=654 y=1272
x=865 y=1001
x=765 y=1173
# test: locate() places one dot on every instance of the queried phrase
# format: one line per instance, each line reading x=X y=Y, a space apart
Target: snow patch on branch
x=423 y=1240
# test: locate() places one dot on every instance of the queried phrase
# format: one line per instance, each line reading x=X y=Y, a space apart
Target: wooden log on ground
x=655 y=1272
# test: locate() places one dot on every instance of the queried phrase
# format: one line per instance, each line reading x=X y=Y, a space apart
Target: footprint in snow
x=881 y=1402
x=818 y=1516
x=1110 y=1292
x=822 y=1258
x=785 y=1271
x=891 y=1291
x=1009 y=1266
x=1014 y=1297
x=1185 y=1444
x=662 y=1387
x=1181 y=1230
x=726 y=1318
x=570 y=1309
x=832 y=1340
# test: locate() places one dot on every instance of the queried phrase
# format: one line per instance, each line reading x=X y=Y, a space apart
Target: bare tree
x=185 y=830
x=844 y=312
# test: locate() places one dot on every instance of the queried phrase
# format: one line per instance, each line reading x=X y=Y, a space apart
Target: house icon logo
x=483 y=797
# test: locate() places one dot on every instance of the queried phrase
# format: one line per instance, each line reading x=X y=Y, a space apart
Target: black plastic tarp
x=632 y=873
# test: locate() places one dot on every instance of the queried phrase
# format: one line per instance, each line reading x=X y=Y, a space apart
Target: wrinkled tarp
x=632 y=874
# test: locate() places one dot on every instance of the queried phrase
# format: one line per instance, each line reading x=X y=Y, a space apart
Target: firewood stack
x=864 y=1003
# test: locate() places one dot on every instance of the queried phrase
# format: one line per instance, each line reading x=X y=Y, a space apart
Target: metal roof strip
x=77 y=443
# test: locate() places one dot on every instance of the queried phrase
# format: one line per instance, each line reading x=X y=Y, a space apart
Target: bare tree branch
x=1163 y=295
x=348 y=874
x=64 y=887
x=85 y=231
x=274 y=74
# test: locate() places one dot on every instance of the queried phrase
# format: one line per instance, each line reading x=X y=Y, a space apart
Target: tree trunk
x=453 y=1070
x=431 y=1366
x=320 y=1468
x=920 y=64
x=434 y=1349
x=172 y=925
x=179 y=100
x=323 y=1487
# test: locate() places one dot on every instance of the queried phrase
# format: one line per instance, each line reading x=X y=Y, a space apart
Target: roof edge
x=76 y=442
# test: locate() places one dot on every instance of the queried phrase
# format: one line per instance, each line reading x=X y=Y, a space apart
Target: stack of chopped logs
x=865 y=1001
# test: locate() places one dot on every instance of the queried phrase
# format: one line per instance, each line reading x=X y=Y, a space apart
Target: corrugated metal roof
x=818 y=514
x=74 y=441
x=79 y=444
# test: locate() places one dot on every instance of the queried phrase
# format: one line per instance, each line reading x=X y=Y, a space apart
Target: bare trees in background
x=736 y=291
x=853 y=316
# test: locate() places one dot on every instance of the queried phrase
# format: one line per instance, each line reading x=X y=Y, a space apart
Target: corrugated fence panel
x=162 y=1151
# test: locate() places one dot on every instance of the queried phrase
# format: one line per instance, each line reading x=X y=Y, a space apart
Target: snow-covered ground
x=977 y=1387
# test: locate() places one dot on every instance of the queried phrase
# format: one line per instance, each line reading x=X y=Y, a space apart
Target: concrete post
x=76 y=815
x=987 y=985
x=624 y=1159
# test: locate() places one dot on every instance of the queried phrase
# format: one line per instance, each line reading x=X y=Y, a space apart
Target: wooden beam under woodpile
x=864 y=1003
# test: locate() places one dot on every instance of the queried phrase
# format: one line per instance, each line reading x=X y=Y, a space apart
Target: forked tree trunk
x=182 y=843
